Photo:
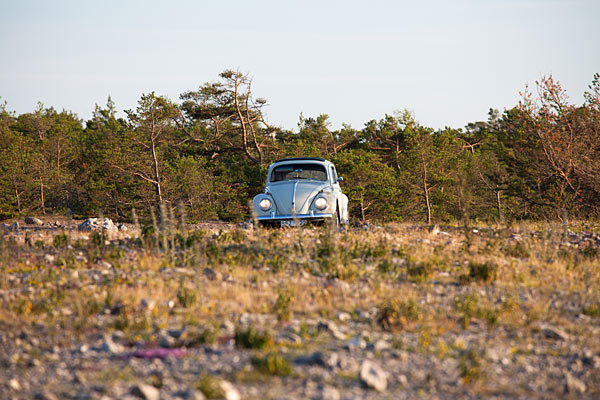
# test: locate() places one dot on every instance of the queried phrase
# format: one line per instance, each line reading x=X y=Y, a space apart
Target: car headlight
x=321 y=203
x=265 y=204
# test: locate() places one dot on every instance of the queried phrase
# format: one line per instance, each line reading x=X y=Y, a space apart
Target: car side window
x=333 y=175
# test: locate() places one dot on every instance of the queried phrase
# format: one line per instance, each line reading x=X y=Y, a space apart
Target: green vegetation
x=272 y=364
x=208 y=154
x=210 y=387
x=252 y=338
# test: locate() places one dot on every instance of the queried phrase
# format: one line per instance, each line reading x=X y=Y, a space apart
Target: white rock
x=231 y=393
x=34 y=221
x=330 y=393
x=574 y=385
x=403 y=380
x=147 y=304
x=104 y=264
x=14 y=384
x=371 y=375
x=381 y=345
x=356 y=342
x=343 y=316
x=194 y=395
x=552 y=332
x=145 y=391
x=110 y=346
x=92 y=224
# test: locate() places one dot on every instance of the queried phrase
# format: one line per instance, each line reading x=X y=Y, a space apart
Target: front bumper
x=312 y=216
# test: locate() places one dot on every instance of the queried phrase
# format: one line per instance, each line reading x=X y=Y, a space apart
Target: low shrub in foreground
x=252 y=338
x=272 y=364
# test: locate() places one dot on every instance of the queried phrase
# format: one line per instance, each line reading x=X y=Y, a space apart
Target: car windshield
x=292 y=172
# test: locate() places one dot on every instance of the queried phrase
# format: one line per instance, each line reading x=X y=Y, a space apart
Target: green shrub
x=60 y=240
x=282 y=305
x=186 y=297
x=251 y=338
x=272 y=364
x=210 y=387
x=591 y=311
x=471 y=366
x=518 y=250
x=394 y=314
x=418 y=271
x=481 y=272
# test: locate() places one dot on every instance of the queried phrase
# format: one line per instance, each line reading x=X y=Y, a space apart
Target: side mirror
x=340 y=179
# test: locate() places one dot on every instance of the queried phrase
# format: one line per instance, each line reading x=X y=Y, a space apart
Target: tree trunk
x=242 y=122
x=18 y=196
x=42 y=196
x=157 y=187
x=426 y=190
x=362 y=208
x=498 y=204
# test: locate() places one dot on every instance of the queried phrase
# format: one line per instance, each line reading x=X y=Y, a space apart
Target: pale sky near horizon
x=446 y=61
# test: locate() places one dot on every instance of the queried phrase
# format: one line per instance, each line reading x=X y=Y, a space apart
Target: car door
x=335 y=185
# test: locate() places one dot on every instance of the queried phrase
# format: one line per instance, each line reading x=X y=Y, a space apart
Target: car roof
x=301 y=159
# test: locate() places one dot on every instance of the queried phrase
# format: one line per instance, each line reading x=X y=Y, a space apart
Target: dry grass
x=432 y=283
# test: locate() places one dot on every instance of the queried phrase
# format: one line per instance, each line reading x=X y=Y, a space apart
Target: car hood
x=287 y=202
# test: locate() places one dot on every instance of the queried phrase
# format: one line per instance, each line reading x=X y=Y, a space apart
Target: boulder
x=371 y=375
x=34 y=221
x=229 y=391
x=144 y=391
x=93 y=224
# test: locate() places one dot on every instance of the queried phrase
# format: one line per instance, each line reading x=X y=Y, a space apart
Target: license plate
x=293 y=222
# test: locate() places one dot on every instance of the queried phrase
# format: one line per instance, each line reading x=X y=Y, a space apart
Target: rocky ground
x=96 y=310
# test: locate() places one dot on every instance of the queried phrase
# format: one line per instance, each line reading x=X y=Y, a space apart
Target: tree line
x=208 y=154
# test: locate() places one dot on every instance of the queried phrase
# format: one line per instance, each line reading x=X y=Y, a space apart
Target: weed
x=467 y=307
x=272 y=364
x=277 y=263
x=418 y=271
x=282 y=305
x=186 y=297
x=387 y=267
x=590 y=252
x=424 y=339
x=471 y=366
x=394 y=314
x=99 y=239
x=60 y=240
x=251 y=338
x=518 y=250
x=206 y=336
x=155 y=379
x=591 y=311
x=238 y=235
x=210 y=387
x=480 y=272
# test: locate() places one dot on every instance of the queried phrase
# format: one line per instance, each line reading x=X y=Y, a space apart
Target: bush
x=186 y=297
x=418 y=271
x=471 y=366
x=272 y=364
x=210 y=387
x=60 y=240
x=282 y=305
x=251 y=338
x=395 y=314
x=482 y=272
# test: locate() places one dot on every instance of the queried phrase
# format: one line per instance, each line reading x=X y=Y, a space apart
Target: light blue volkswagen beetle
x=300 y=190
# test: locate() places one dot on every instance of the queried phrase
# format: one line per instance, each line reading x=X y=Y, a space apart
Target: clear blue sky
x=446 y=61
